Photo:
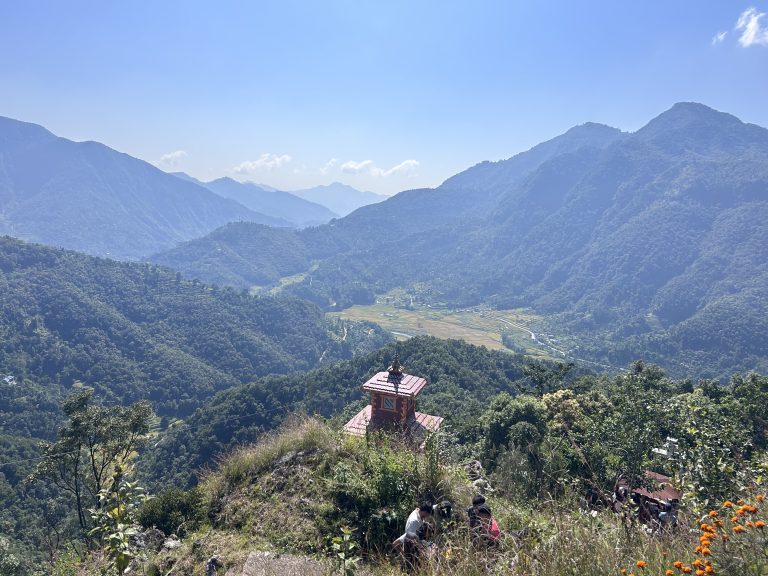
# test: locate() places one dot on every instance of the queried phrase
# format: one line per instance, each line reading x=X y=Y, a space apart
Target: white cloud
x=171 y=159
x=406 y=167
x=328 y=165
x=352 y=167
x=752 y=32
x=718 y=38
x=267 y=162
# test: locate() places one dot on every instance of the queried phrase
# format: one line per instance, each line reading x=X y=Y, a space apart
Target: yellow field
x=481 y=327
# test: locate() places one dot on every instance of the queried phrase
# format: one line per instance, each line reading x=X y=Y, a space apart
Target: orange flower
x=712 y=513
x=699 y=572
x=698 y=563
x=678 y=565
x=709 y=569
x=719 y=523
x=735 y=519
x=728 y=504
x=623 y=571
x=738 y=529
x=759 y=497
x=750 y=524
x=641 y=564
x=724 y=536
x=697 y=550
x=687 y=569
x=669 y=572
x=705 y=552
x=759 y=524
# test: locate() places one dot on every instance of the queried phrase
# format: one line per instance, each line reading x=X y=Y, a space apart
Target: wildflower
x=699 y=572
x=678 y=565
x=750 y=524
x=708 y=569
x=698 y=550
x=738 y=529
x=641 y=564
x=623 y=571
x=759 y=497
x=669 y=572
x=687 y=569
x=712 y=513
x=759 y=524
x=705 y=551
x=698 y=563
x=719 y=523
x=735 y=519
x=724 y=536
x=727 y=504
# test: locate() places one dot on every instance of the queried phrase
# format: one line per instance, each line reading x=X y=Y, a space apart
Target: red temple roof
x=396 y=384
x=418 y=426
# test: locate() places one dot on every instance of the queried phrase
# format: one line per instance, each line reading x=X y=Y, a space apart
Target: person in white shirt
x=412 y=542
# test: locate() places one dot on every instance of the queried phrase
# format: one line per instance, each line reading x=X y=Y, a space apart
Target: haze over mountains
x=648 y=244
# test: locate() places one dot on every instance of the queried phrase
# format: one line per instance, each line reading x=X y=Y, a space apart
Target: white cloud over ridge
x=171 y=159
x=267 y=162
x=752 y=31
x=405 y=168
x=328 y=165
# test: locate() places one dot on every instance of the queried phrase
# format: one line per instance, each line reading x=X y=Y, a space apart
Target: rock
x=481 y=485
x=149 y=539
x=269 y=564
x=286 y=458
x=171 y=543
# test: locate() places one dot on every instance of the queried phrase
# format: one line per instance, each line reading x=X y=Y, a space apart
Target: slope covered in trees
x=137 y=331
x=650 y=244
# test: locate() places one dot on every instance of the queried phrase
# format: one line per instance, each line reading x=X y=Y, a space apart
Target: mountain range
x=88 y=197
x=649 y=244
x=292 y=209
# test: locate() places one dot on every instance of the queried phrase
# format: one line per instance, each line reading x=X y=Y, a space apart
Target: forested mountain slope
x=88 y=197
x=137 y=331
x=647 y=244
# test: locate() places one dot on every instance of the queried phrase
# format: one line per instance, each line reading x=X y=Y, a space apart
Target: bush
x=174 y=511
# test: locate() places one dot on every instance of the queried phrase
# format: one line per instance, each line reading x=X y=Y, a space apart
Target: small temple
x=393 y=405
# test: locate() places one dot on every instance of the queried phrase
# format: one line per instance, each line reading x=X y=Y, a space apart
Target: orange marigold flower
x=759 y=497
x=709 y=569
x=759 y=524
x=697 y=549
x=705 y=552
x=752 y=509
x=750 y=524
x=669 y=572
x=712 y=513
x=728 y=504
x=719 y=523
x=698 y=563
x=735 y=519
x=706 y=542
x=699 y=572
x=623 y=571
x=738 y=529
x=678 y=565
x=724 y=536
x=687 y=569
x=641 y=564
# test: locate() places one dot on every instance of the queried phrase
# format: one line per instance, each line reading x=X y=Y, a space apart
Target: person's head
x=425 y=510
x=478 y=500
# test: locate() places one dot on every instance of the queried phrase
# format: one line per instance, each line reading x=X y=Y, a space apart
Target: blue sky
x=384 y=96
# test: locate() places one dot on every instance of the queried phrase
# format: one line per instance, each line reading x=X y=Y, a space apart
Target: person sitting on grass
x=412 y=543
x=487 y=531
x=477 y=500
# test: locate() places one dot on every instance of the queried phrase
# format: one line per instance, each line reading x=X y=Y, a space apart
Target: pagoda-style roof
x=401 y=384
x=418 y=426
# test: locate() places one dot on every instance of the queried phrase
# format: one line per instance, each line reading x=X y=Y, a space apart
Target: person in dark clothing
x=478 y=500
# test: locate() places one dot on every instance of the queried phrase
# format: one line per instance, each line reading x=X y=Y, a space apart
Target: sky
x=383 y=96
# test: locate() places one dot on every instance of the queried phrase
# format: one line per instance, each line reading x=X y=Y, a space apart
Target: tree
x=94 y=440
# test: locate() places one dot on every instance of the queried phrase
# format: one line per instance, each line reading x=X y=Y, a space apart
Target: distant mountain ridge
x=652 y=243
x=340 y=198
x=286 y=206
x=86 y=196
